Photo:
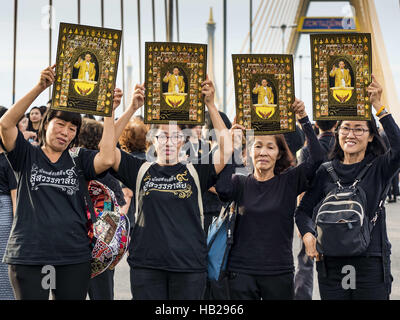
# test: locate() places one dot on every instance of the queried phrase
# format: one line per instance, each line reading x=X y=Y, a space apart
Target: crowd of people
x=172 y=181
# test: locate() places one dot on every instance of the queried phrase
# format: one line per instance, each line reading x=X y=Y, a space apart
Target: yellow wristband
x=380 y=111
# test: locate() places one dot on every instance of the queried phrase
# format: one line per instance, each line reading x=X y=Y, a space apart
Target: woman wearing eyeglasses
x=357 y=144
x=168 y=251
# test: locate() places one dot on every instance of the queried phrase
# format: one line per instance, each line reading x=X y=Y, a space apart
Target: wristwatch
x=383 y=112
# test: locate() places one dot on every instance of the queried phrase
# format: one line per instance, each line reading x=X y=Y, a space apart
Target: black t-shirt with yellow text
x=168 y=234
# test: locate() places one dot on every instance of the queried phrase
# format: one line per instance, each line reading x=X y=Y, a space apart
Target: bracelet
x=380 y=111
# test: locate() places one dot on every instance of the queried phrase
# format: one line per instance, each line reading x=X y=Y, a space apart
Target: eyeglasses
x=162 y=138
x=357 y=131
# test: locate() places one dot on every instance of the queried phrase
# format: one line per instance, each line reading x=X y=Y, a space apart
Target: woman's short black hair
x=376 y=146
x=33 y=108
x=3 y=110
x=326 y=125
x=74 y=118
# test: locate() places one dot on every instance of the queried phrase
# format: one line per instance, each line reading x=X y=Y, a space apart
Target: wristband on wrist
x=380 y=111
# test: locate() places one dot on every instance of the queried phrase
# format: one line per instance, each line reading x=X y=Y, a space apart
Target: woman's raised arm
x=224 y=137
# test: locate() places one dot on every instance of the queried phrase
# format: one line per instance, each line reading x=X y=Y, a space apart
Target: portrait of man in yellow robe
x=264 y=92
x=175 y=81
x=87 y=70
x=342 y=75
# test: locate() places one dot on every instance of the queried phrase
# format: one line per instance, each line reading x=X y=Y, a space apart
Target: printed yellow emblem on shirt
x=176 y=185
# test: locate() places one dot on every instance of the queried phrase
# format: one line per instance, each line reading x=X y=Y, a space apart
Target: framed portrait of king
x=341 y=74
x=264 y=92
x=174 y=73
x=86 y=69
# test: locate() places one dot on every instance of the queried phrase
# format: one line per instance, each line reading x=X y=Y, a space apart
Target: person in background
x=8 y=198
x=211 y=203
x=133 y=140
x=394 y=191
x=195 y=144
x=22 y=126
x=35 y=116
x=43 y=110
x=138 y=118
x=101 y=287
x=89 y=116
x=394 y=188
x=295 y=140
x=304 y=276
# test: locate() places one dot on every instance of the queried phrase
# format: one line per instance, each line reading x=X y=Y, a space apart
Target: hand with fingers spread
x=47 y=77
x=299 y=109
x=208 y=90
x=375 y=93
x=138 y=97
x=117 y=98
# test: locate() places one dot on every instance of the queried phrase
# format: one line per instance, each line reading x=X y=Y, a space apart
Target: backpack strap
x=329 y=167
x=381 y=206
x=74 y=153
x=235 y=207
x=193 y=173
x=362 y=173
x=142 y=171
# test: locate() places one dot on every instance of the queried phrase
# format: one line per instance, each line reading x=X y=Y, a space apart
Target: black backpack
x=343 y=226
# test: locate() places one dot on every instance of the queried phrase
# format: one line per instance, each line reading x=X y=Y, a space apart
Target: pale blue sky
x=33 y=42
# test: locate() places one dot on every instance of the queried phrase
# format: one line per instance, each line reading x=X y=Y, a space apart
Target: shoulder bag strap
x=142 y=171
x=363 y=172
x=74 y=153
x=195 y=176
x=235 y=207
x=329 y=167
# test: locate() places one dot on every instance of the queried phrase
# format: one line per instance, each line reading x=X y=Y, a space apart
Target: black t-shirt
x=30 y=128
x=295 y=140
x=7 y=177
x=49 y=226
x=263 y=235
x=168 y=234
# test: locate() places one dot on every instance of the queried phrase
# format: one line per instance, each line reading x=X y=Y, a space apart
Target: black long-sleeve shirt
x=374 y=182
x=263 y=235
x=327 y=142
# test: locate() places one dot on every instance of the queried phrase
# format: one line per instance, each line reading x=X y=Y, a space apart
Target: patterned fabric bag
x=108 y=227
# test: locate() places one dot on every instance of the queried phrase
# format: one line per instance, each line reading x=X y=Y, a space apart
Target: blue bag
x=219 y=241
